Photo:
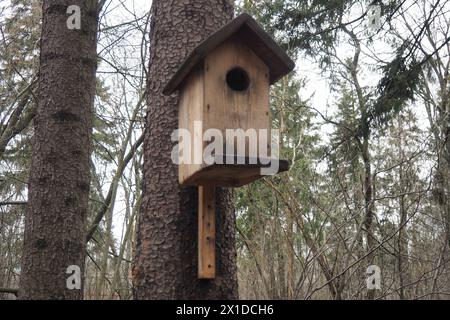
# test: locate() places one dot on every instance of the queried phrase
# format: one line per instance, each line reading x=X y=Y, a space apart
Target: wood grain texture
x=225 y=108
x=206 y=232
x=205 y=96
x=191 y=110
x=232 y=175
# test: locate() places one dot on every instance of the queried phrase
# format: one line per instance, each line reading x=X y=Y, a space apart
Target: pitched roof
x=247 y=29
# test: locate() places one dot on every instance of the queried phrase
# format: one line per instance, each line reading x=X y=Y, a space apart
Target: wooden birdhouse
x=224 y=86
x=224 y=118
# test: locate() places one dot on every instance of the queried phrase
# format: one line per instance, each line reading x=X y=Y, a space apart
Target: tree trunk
x=165 y=265
x=291 y=255
x=446 y=155
x=101 y=292
x=368 y=209
x=402 y=241
x=59 y=180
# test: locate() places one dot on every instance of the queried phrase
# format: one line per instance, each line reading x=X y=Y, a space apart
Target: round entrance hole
x=237 y=79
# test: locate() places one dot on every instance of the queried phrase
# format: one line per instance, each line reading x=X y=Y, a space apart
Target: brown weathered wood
x=206 y=232
x=256 y=38
x=207 y=98
x=190 y=110
x=232 y=175
x=225 y=108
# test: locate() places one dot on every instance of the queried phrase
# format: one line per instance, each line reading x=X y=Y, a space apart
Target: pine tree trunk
x=446 y=160
x=59 y=177
x=402 y=241
x=165 y=265
x=368 y=209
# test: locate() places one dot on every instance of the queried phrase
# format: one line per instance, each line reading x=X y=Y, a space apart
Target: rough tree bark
x=59 y=177
x=165 y=265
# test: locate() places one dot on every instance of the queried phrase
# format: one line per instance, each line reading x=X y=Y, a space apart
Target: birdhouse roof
x=247 y=29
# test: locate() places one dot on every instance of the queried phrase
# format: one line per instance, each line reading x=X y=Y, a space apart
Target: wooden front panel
x=225 y=108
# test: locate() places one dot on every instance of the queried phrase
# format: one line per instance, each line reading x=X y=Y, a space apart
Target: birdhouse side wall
x=191 y=101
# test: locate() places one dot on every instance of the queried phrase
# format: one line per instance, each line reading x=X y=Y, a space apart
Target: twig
x=14 y=291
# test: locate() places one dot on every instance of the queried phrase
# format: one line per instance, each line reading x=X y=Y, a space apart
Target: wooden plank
x=226 y=108
x=233 y=175
x=206 y=232
x=191 y=110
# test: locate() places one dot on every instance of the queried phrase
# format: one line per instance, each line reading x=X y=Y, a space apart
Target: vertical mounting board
x=206 y=232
